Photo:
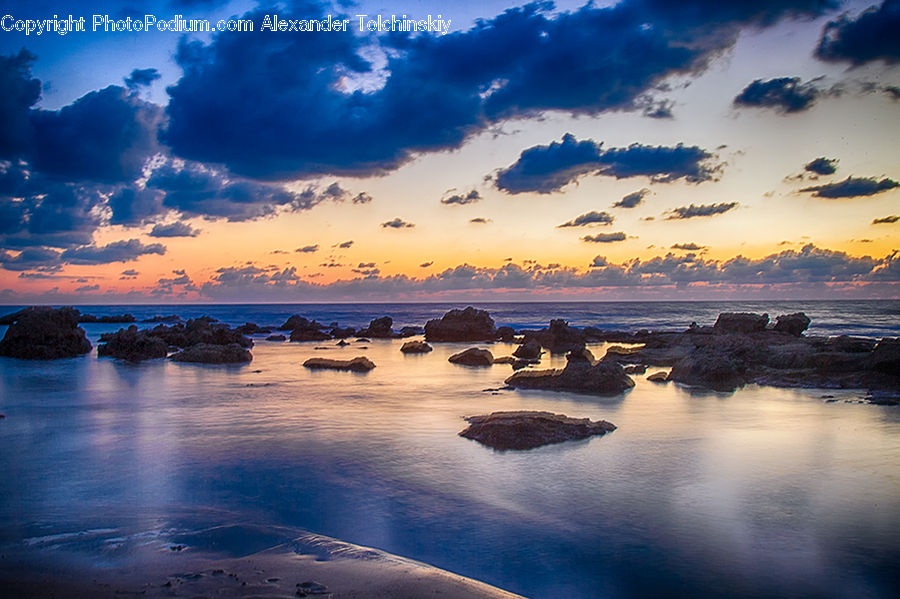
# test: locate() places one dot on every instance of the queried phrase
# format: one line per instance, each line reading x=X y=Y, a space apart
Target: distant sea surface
x=761 y=493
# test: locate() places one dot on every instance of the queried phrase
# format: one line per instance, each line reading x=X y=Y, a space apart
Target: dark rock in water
x=357 y=364
x=558 y=338
x=276 y=338
x=519 y=364
x=163 y=319
x=461 y=325
x=132 y=344
x=659 y=377
x=298 y=322
x=339 y=333
x=11 y=317
x=885 y=357
x=309 y=335
x=792 y=324
x=204 y=330
x=44 y=333
x=580 y=375
x=473 y=357
x=410 y=331
x=636 y=369
x=311 y=587
x=530 y=350
x=110 y=319
x=848 y=344
x=251 y=328
x=741 y=322
x=505 y=360
x=506 y=334
x=527 y=430
x=379 y=328
x=363 y=340
x=341 y=343
x=709 y=368
x=206 y=353
x=415 y=347
x=889 y=398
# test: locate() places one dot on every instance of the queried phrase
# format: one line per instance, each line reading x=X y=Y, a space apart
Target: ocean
x=764 y=492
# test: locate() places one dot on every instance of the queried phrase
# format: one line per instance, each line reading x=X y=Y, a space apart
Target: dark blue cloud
x=590 y=218
x=20 y=92
x=297 y=106
x=783 y=94
x=873 y=35
x=30 y=258
x=141 y=78
x=694 y=211
x=176 y=229
x=544 y=169
x=821 y=166
x=852 y=187
x=117 y=251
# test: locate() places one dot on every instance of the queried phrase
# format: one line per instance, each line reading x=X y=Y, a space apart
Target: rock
x=530 y=350
x=415 y=347
x=342 y=343
x=339 y=333
x=303 y=329
x=709 y=368
x=44 y=333
x=200 y=330
x=473 y=357
x=111 y=319
x=792 y=324
x=206 y=353
x=885 y=357
x=527 y=430
x=461 y=325
x=363 y=340
x=410 y=331
x=505 y=360
x=11 y=317
x=311 y=587
x=558 y=338
x=309 y=335
x=251 y=328
x=357 y=364
x=580 y=375
x=659 y=377
x=159 y=319
x=506 y=334
x=379 y=328
x=132 y=344
x=276 y=338
x=845 y=343
x=636 y=369
x=741 y=322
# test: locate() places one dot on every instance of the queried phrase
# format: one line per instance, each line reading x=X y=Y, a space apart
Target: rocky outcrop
x=44 y=333
x=251 y=328
x=506 y=334
x=205 y=353
x=792 y=324
x=473 y=357
x=409 y=331
x=131 y=344
x=741 y=322
x=527 y=430
x=357 y=364
x=558 y=338
x=200 y=330
x=379 y=328
x=461 y=325
x=581 y=375
x=163 y=319
x=109 y=319
x=709 y=368
x=530 y=350
x=415 y=347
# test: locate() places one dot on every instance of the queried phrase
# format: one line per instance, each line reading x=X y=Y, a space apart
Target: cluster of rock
x=527 y=430
x=44 y=333
x=202 y=340
x=82 y=318
x=303 y=329
x=582 y=374
x=744 y=348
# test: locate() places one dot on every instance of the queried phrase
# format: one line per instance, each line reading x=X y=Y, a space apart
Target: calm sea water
x=766 y=492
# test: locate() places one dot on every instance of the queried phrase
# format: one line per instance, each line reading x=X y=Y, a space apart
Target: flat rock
x=205 y=353
x=45 y=333
x=415 y=347
x=659 y=377
x=357 y=364
x=527 y=430
x=473 y=357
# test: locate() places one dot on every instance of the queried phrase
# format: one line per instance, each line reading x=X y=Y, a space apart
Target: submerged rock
x=473 y=357
x=527 y=430
x=415 y=347
x=132 y=344
x=45 y=333
x=205 y=353
x=357 y=364
x=469 y=324
x=581 y=375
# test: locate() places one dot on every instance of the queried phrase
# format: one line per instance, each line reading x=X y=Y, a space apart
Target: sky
x=471 y=151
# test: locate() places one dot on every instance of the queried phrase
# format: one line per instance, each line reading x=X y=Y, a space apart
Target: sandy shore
x=309 y=566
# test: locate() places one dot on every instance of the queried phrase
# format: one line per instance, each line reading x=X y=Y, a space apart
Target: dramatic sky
x=643 y=149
